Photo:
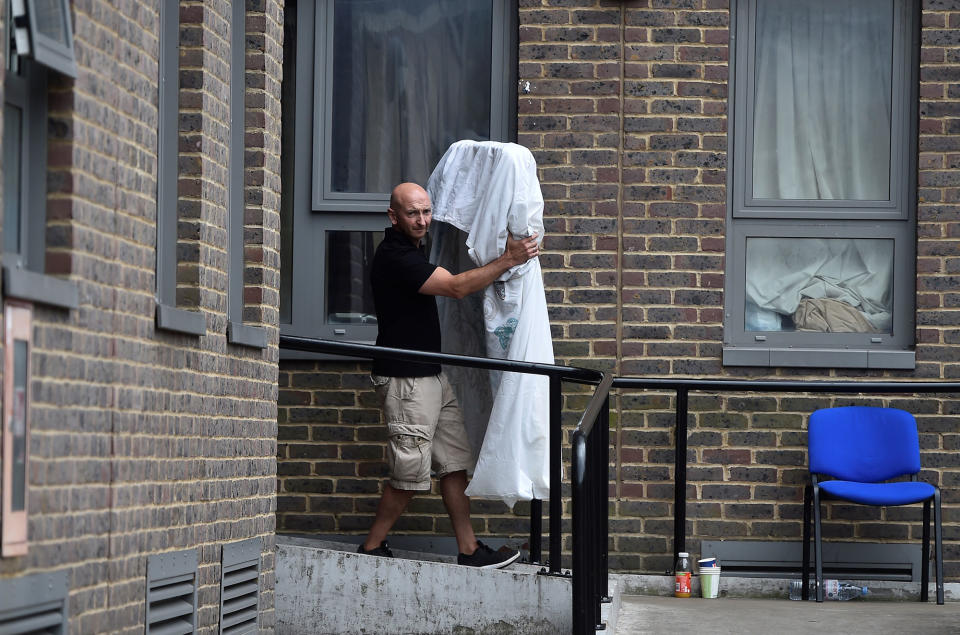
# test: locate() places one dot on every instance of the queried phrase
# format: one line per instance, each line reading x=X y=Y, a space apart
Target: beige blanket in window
x=830 y=316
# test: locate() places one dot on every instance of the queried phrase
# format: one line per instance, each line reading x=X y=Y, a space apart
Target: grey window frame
x=50 y=52
x=893 y=219
x=238 y=332
x=315 y=212
x=24 y=274
x=169 y=316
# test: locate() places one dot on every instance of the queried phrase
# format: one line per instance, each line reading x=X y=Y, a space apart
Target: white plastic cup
x=709 y=582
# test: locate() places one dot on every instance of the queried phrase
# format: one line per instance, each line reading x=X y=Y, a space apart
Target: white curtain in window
x=822 y=99
x=410 y=78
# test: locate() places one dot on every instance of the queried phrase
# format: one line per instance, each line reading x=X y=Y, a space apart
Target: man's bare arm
x=444 y=283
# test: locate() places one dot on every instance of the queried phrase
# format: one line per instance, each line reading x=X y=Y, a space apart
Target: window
x=37 y=40
x=822 y=184
x=15 y=436
x=376 y=92
x=169 y=315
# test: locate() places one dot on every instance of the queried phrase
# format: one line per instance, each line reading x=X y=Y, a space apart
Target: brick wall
x=623 y=104
x=146 y=441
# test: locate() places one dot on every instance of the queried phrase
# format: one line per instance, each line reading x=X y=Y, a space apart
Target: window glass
x=288 y=96
x=18 y=425
x=409 y=78
x=349 y=293
x=827 y=285
x=12 y=160
x=49 y=19
x=822 y=99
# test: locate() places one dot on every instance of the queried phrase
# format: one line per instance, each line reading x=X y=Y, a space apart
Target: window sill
x=819 y=358
x=295 y=355
x=246 y=335
x=171 y=318
x=23 y=284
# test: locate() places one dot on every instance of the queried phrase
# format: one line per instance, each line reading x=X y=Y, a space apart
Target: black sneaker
x=383 y=550
x=486 y=558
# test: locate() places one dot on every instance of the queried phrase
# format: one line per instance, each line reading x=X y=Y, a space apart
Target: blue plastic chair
x=861 y=447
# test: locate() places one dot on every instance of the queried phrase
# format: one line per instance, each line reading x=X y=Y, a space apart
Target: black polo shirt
x=405 y=317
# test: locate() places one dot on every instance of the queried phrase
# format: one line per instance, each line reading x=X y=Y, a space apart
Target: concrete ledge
x=321 y=590
x=778 y=588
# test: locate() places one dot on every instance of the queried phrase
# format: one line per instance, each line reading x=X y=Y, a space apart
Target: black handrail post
x=556 y=502
x=604 y=497
x=582 y=620
x=680 y=475
x=590 y=547
x=536 y=530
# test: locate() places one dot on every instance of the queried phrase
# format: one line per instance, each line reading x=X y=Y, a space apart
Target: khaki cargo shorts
x=425 y=430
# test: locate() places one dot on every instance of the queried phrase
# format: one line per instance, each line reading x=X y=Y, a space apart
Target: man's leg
x=457 y=503
x=392 y=503
x=473 y=553
x=410 y=426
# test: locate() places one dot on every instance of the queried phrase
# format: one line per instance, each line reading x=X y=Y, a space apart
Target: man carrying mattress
x=424 y=423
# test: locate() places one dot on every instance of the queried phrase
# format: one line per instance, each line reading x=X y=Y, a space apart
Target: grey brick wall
x=626 y=116
x=146 y=441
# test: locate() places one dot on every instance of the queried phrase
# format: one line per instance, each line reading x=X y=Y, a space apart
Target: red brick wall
x=145 y=441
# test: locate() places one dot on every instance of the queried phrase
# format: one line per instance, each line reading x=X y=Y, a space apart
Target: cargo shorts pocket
x=408 y=456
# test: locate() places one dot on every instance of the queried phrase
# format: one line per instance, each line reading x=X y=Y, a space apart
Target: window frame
x=325 y=199
x=893 y=219
x=50 y=52
x=169 y=316
x=24 y=271
x=896 y=206
x=315 y=212
x=18 y=327
x=238 y=332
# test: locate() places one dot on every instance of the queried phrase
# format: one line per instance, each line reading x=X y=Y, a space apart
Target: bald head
x=410 y=211
x=404 y=193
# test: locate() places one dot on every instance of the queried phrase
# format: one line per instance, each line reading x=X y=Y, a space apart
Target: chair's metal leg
x=925 y=553
x=938 y=532
x=817 y=546
x=805 y=563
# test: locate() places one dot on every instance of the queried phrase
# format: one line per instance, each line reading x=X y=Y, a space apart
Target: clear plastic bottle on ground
x=832 y=590
x=844 y=591
x=684 y=573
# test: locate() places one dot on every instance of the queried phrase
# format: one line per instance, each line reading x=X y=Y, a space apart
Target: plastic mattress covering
x=480 y=191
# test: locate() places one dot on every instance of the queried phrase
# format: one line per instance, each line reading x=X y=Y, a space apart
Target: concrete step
x=326 y=587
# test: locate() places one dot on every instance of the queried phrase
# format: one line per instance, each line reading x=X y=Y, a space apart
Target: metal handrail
x=371 y=351
x=556 y=373
x=590 y=458
x=683 y=386
x=590 y=450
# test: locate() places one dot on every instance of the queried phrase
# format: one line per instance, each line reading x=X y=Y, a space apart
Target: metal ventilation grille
x=172 y=593
x=34 y=604
x=46 y=618
x=240 y=587
x=859 y=561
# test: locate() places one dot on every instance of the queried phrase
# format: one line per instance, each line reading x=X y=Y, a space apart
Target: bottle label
x=831 y=589
x=683 y=584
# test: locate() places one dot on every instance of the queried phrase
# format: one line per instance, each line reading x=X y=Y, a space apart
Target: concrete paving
x=641 y=614
x=325 y=587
